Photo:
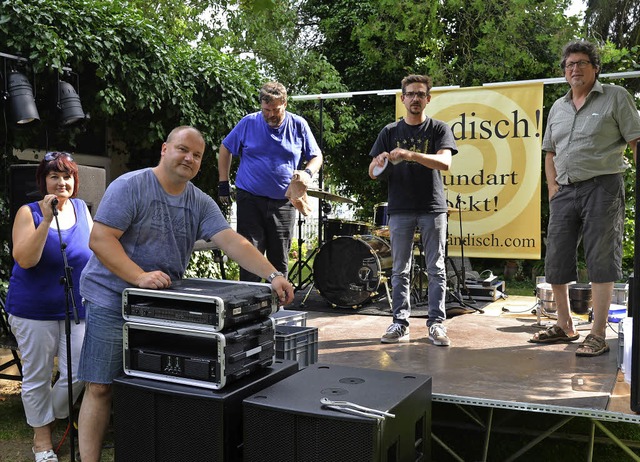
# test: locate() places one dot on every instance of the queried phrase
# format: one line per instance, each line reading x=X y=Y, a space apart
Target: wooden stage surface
x=489 y=361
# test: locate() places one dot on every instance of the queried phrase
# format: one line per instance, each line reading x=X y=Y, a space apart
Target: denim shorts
x=591 y=211
x=101 y=358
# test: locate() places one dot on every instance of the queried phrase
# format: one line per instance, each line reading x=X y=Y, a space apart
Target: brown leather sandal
x=593 y=345
x=553 y=334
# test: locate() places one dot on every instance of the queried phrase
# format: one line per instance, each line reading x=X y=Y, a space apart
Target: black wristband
x=223 y=188
x=309 y=172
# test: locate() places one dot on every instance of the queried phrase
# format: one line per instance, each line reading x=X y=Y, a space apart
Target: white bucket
x=625 y=327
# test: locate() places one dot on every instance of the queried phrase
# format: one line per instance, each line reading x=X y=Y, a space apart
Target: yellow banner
x=495 y=177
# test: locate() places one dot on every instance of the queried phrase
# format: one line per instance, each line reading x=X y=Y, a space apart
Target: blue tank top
x=37 y=293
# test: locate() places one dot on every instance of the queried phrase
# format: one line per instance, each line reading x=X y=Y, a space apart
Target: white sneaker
x=45 y=456
x=438 y=335
x=396 y=333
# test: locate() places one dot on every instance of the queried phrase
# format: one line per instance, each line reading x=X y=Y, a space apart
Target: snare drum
x=380 y=216
x=348 y=269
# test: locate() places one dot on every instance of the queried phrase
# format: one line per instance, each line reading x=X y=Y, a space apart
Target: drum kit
x=352 y=262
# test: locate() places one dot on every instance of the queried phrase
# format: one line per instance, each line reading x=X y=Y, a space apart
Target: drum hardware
x=338 y=227
x=460 y=292
x=323 y=236
x=296 y=270
x=300 y=264
x=327 y=196
x=384 y=280
x=416 y=287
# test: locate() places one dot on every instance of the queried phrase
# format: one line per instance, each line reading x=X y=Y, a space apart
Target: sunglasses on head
x=54 y=155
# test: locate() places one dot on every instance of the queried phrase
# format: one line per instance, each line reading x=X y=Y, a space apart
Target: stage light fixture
x=20 y=98
x=69 y=107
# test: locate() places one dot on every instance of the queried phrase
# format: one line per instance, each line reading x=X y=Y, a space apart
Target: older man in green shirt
x=587 y=133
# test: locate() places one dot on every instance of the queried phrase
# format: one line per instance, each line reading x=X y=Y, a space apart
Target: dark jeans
x=268 y=224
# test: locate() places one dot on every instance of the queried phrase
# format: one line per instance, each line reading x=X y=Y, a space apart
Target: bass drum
x=348 y=269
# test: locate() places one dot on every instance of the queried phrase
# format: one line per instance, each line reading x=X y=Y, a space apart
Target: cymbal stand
x=461 y=282
x=296 y=270
x=325 y=209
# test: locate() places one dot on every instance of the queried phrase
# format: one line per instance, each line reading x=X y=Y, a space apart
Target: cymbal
x=328 y=196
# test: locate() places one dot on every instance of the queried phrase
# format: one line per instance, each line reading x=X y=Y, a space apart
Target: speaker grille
x=322 y=440
x=268 y=429
x=162 y=427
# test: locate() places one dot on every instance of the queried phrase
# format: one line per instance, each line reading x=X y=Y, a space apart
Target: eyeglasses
x=54 y=155
x=418 y=94
x=581 y=65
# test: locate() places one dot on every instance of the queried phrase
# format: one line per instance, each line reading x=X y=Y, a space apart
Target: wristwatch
x=309 y=172
x=274 y=275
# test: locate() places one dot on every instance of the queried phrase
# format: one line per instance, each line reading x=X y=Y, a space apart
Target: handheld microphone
x=54 y=204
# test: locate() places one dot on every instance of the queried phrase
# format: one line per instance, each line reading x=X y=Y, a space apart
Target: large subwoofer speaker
x=288 y=422
x=158 y=421
x=23 y=188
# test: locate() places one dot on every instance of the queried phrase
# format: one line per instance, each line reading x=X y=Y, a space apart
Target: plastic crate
x=297 y=343
x=290 y=318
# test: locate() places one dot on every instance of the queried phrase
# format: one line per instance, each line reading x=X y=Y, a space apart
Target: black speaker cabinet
x=288 y=422
x=158 y=421
x=22 y=187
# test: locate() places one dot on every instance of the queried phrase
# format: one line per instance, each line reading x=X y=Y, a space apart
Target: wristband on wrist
x=309 y=172
x=223 y=188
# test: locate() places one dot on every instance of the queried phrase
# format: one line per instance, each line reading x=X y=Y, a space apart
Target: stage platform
x=490 y=363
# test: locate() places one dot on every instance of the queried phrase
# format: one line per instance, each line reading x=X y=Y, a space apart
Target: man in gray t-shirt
x=143 y=234
x=587 y=132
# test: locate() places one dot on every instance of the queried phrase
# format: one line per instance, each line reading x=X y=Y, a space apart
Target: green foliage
x=617 y=21
x=140 y=75
x=373 y=44
x=138 y=72
x=206 y=264
x=628 y=243
x=147 y=67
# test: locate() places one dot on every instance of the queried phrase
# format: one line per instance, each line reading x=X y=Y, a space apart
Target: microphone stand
x=70 y=303
x=461 y=289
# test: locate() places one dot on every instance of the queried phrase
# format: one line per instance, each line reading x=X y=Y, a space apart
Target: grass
x=516 y=287
x=16 y=436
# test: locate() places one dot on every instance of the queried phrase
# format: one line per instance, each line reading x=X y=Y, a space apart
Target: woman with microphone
x=37 y=300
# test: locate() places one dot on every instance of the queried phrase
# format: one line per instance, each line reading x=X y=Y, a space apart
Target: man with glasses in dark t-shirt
x=415 y=149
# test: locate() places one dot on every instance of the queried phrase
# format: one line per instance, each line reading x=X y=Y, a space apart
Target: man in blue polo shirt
x=271 y=144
